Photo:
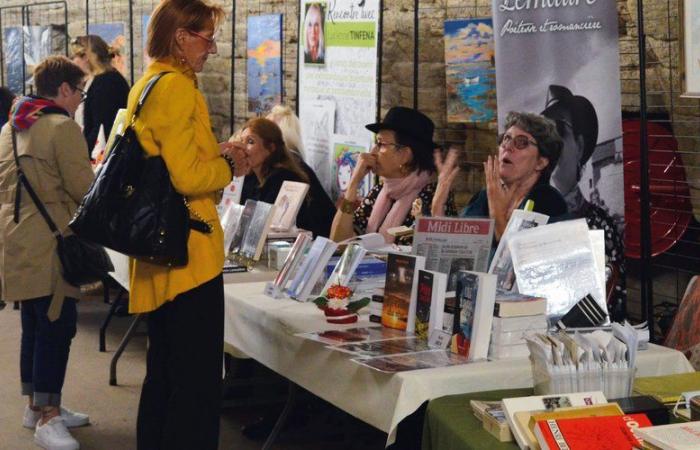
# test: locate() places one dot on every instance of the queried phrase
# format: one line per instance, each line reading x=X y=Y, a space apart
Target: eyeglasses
x=384 y=146
x=83 y=94
x=520 y=142
x=210 y=40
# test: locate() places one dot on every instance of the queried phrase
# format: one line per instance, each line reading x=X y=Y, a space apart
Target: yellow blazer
x=174 y=123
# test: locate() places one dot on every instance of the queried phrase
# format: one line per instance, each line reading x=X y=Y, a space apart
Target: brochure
x=405 y=344
x=428 y=359
x=450 y=244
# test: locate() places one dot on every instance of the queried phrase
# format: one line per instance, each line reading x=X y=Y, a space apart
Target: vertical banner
x=264 y=50
x=560 y=58
x=338 y=41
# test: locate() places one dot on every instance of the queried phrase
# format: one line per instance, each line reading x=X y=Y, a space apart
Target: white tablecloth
x=264 y=328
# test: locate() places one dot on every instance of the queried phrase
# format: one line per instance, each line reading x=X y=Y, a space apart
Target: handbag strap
x=22 y=180
x=144 y=94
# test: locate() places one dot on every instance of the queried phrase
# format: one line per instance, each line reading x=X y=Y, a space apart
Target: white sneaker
x=53 y=435
x=72 y=419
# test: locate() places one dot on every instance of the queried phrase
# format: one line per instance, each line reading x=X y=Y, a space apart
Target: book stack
x=677 y=436
x=516 y=316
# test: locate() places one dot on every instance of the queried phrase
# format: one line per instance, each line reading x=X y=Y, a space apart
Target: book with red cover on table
x=591 y=433
x=399 y=308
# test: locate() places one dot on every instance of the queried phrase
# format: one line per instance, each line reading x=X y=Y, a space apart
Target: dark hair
x=170 y=15
x=6 y=99
x=544 y=131
x=280 y=157
x=53 y=72
x=423 y=159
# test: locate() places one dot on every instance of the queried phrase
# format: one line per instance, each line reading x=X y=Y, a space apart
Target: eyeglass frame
x=211 y=41
x=383 y=145
x=512 y=141
x=83 y=92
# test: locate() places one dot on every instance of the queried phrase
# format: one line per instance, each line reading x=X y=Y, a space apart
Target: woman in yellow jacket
x=180 y=399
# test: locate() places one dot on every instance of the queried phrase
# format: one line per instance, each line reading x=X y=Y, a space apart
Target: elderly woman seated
x=271 y=164
x=527 y=153
x=402 y=157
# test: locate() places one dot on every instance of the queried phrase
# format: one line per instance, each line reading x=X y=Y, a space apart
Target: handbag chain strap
x=197 y=215
x=22 y=180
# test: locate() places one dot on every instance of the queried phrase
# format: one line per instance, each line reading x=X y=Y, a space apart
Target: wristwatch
x=347 y=206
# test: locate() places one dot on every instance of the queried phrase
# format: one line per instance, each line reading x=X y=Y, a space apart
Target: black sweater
x=108 y=92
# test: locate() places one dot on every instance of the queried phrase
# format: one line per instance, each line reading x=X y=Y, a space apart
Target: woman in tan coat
x=53 y=157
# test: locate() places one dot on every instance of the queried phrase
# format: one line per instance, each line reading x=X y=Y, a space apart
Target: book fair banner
x=561 y=59
x=338 y=42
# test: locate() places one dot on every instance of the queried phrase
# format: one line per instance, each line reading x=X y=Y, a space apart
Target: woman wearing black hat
x=527 y=153
x=403 y=159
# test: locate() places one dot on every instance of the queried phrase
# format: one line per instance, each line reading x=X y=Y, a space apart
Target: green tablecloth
x=450 y=423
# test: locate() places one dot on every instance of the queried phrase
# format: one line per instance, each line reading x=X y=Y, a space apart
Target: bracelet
x=347 y=206
x=231 y=164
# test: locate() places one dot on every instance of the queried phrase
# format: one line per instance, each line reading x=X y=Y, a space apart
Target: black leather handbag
x=82 y=262
x=132 y=206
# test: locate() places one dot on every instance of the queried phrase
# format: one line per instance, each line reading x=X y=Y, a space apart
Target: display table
x=264 y=328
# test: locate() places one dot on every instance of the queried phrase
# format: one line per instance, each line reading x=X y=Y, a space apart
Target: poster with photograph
x=338 y=65
x=562 y=60
x=264 y=50
x=113 y=35
x=12 y=51
x=470 y=71
x=41 y=41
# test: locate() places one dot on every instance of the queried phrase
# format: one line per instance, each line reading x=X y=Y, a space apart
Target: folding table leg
x=291 y=400
x=125 y=340
x=105 y=324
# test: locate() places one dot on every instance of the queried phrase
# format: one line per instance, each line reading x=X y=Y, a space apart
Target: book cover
x=346 y=266
x=511 y=304
x=287 y=204
x=294 y=258
x=544 y=403
x=256 y=233
x=591 y=433
x=243 y=225
x=476 y=293
x=677 y=436
x=452 y=244
x=399 y=307
x=311 y=267
x=230 y=220
x=430 y=302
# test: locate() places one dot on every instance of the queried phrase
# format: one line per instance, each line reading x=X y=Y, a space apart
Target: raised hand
x=236 y=150
x=448 y=169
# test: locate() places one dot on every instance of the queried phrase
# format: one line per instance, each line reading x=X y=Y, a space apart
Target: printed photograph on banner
x=113 y=34
x=690 y=43
x=564 y=63
x=41 y=41
x=313 y=35
x=346 y=152
x=264 y=50
x=470 y=72
x=12 y=51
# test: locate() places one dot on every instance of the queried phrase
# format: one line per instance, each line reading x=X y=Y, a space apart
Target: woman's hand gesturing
x=447 y=172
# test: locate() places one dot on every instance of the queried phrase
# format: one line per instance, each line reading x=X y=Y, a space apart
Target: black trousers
x=181 y=396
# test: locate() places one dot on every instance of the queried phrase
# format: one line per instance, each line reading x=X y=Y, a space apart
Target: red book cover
x=591 y=433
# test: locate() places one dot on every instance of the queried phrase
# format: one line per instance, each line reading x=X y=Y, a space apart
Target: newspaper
x=450 y=245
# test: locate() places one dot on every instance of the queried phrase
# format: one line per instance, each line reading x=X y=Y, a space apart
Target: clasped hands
x=236 y=151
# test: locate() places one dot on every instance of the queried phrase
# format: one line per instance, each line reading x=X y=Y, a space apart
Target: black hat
x=409 y=122
x=562 y=104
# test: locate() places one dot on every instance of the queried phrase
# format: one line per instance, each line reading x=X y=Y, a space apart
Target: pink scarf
x=394 y=202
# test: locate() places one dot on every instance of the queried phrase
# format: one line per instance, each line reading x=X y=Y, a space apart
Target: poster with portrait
x=470 y=71
x=264 y=50
x=346 y=79
x=113 y=34
x=690 y=46
x=345 y=156
x=562 y=60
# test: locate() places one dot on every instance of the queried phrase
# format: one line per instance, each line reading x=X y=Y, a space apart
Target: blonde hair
x=289 y=123
x=99 y=54
x=169 y=15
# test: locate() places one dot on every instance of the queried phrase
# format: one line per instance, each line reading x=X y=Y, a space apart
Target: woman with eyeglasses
x=107 y=90
x=402 y=158
x=527 y=153
x=181 y=395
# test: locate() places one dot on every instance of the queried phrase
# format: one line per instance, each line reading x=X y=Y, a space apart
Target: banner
x=560 y=58
x=337 y=74
x=264 y=50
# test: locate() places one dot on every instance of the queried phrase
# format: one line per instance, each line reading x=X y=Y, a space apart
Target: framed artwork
x=690 y=48
x=264 y=50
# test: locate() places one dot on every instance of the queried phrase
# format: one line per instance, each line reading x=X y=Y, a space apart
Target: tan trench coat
x=53 y=155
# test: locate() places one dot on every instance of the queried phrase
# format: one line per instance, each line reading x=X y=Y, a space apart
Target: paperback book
x=311 y=267
x=613 y=432
x=287 y=204
x=399 y=307
x=476 y=293
x=430 y=302
x=513 y=304
x=451 y=244
x=243 y=224
x=677 y=436
x=290 y=266
x=230 y=221
x=255 y=235
x=346 y=266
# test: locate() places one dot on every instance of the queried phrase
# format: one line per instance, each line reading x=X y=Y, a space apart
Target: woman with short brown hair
x=181 y=395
